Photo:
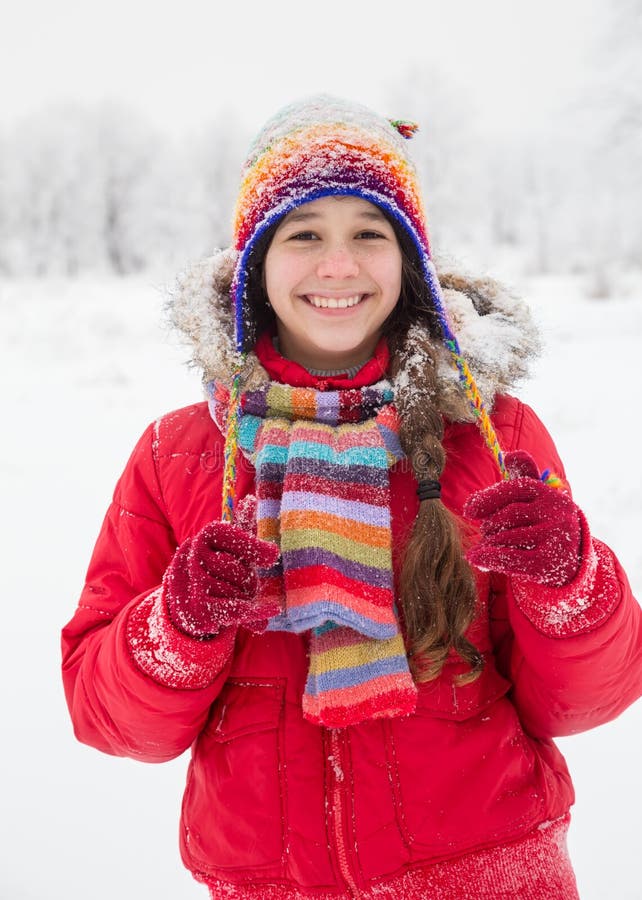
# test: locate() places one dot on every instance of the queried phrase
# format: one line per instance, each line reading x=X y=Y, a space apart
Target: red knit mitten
x=527 y=528
x=212 y=581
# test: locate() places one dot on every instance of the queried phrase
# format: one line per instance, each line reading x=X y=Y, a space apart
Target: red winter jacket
x=274 y=800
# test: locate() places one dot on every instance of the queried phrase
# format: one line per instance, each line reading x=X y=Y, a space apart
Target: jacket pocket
x=461 y=772
x=234 y=804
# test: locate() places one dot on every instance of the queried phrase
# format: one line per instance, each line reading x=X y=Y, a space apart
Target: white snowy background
x=121 y=133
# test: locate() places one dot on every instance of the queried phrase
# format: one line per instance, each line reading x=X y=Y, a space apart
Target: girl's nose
x=337 y=262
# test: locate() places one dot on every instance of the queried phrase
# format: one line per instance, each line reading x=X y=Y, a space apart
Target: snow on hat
x=323 y=146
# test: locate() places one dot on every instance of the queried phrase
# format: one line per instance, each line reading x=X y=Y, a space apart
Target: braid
x=437 y=587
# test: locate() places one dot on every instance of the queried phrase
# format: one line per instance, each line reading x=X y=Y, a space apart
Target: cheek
x=388 y=275
x=281 y=274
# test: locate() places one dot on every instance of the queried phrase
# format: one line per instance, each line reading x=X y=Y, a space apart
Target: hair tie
x=429 y=490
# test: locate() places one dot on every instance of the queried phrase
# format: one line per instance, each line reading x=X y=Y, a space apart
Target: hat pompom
x=406 y=129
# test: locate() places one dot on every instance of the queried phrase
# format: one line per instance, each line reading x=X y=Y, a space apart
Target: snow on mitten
x=212 y=581
x=527 y=528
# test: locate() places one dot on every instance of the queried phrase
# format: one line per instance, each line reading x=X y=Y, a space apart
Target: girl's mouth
x=321 y=302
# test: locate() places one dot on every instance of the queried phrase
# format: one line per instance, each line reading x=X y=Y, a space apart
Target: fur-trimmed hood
x=495 y=330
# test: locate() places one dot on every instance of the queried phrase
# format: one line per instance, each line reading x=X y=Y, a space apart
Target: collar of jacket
x=495 y=329
x=286 y=371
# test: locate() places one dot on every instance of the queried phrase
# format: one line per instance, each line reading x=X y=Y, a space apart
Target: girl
x=402 y=606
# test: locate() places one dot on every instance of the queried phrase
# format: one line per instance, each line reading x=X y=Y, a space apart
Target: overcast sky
x=182 y=62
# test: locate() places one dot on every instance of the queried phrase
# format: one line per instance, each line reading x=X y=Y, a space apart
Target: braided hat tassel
x=230 y=449
x=470 y=386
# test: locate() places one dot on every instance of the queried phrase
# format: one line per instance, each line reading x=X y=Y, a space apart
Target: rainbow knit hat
x=323 y=146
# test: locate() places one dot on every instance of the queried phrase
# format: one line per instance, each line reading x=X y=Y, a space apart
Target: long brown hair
x=437 y=588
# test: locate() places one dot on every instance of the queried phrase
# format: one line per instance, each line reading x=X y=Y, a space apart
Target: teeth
x=333 y=303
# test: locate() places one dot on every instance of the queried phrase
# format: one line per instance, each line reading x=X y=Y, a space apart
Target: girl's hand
x=212 y=581
x=527 y=528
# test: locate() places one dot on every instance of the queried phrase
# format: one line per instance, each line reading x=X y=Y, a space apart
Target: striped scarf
x=323 y=491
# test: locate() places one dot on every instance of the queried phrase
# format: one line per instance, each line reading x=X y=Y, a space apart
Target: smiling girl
x=354 y=581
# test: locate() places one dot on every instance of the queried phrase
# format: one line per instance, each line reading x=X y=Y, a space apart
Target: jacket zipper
x=337 y=807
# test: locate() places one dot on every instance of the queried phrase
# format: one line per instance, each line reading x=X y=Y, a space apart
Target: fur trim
x=200 y=308
x=495 y=329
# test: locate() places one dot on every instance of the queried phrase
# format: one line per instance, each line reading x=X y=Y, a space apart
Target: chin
x=336 y=349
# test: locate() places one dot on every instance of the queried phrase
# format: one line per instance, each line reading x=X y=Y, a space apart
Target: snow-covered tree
x=216 y=156
x=445 y=149
x=607 y=124
x=99 y=189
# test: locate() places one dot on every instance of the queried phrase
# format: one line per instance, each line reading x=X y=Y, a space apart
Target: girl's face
x=333 y=276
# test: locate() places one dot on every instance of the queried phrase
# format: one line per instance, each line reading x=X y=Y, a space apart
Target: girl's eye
x=303 y=236
x=368 y=235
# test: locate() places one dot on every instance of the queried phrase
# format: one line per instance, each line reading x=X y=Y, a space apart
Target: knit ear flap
x=405 y=128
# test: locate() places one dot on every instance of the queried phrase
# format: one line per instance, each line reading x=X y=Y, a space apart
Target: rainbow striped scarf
x=322 y=484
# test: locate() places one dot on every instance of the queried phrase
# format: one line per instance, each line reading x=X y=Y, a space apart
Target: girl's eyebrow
x=372 y=214
x=297 y=216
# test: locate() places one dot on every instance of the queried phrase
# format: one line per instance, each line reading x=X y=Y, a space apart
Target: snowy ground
x=87 y=366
